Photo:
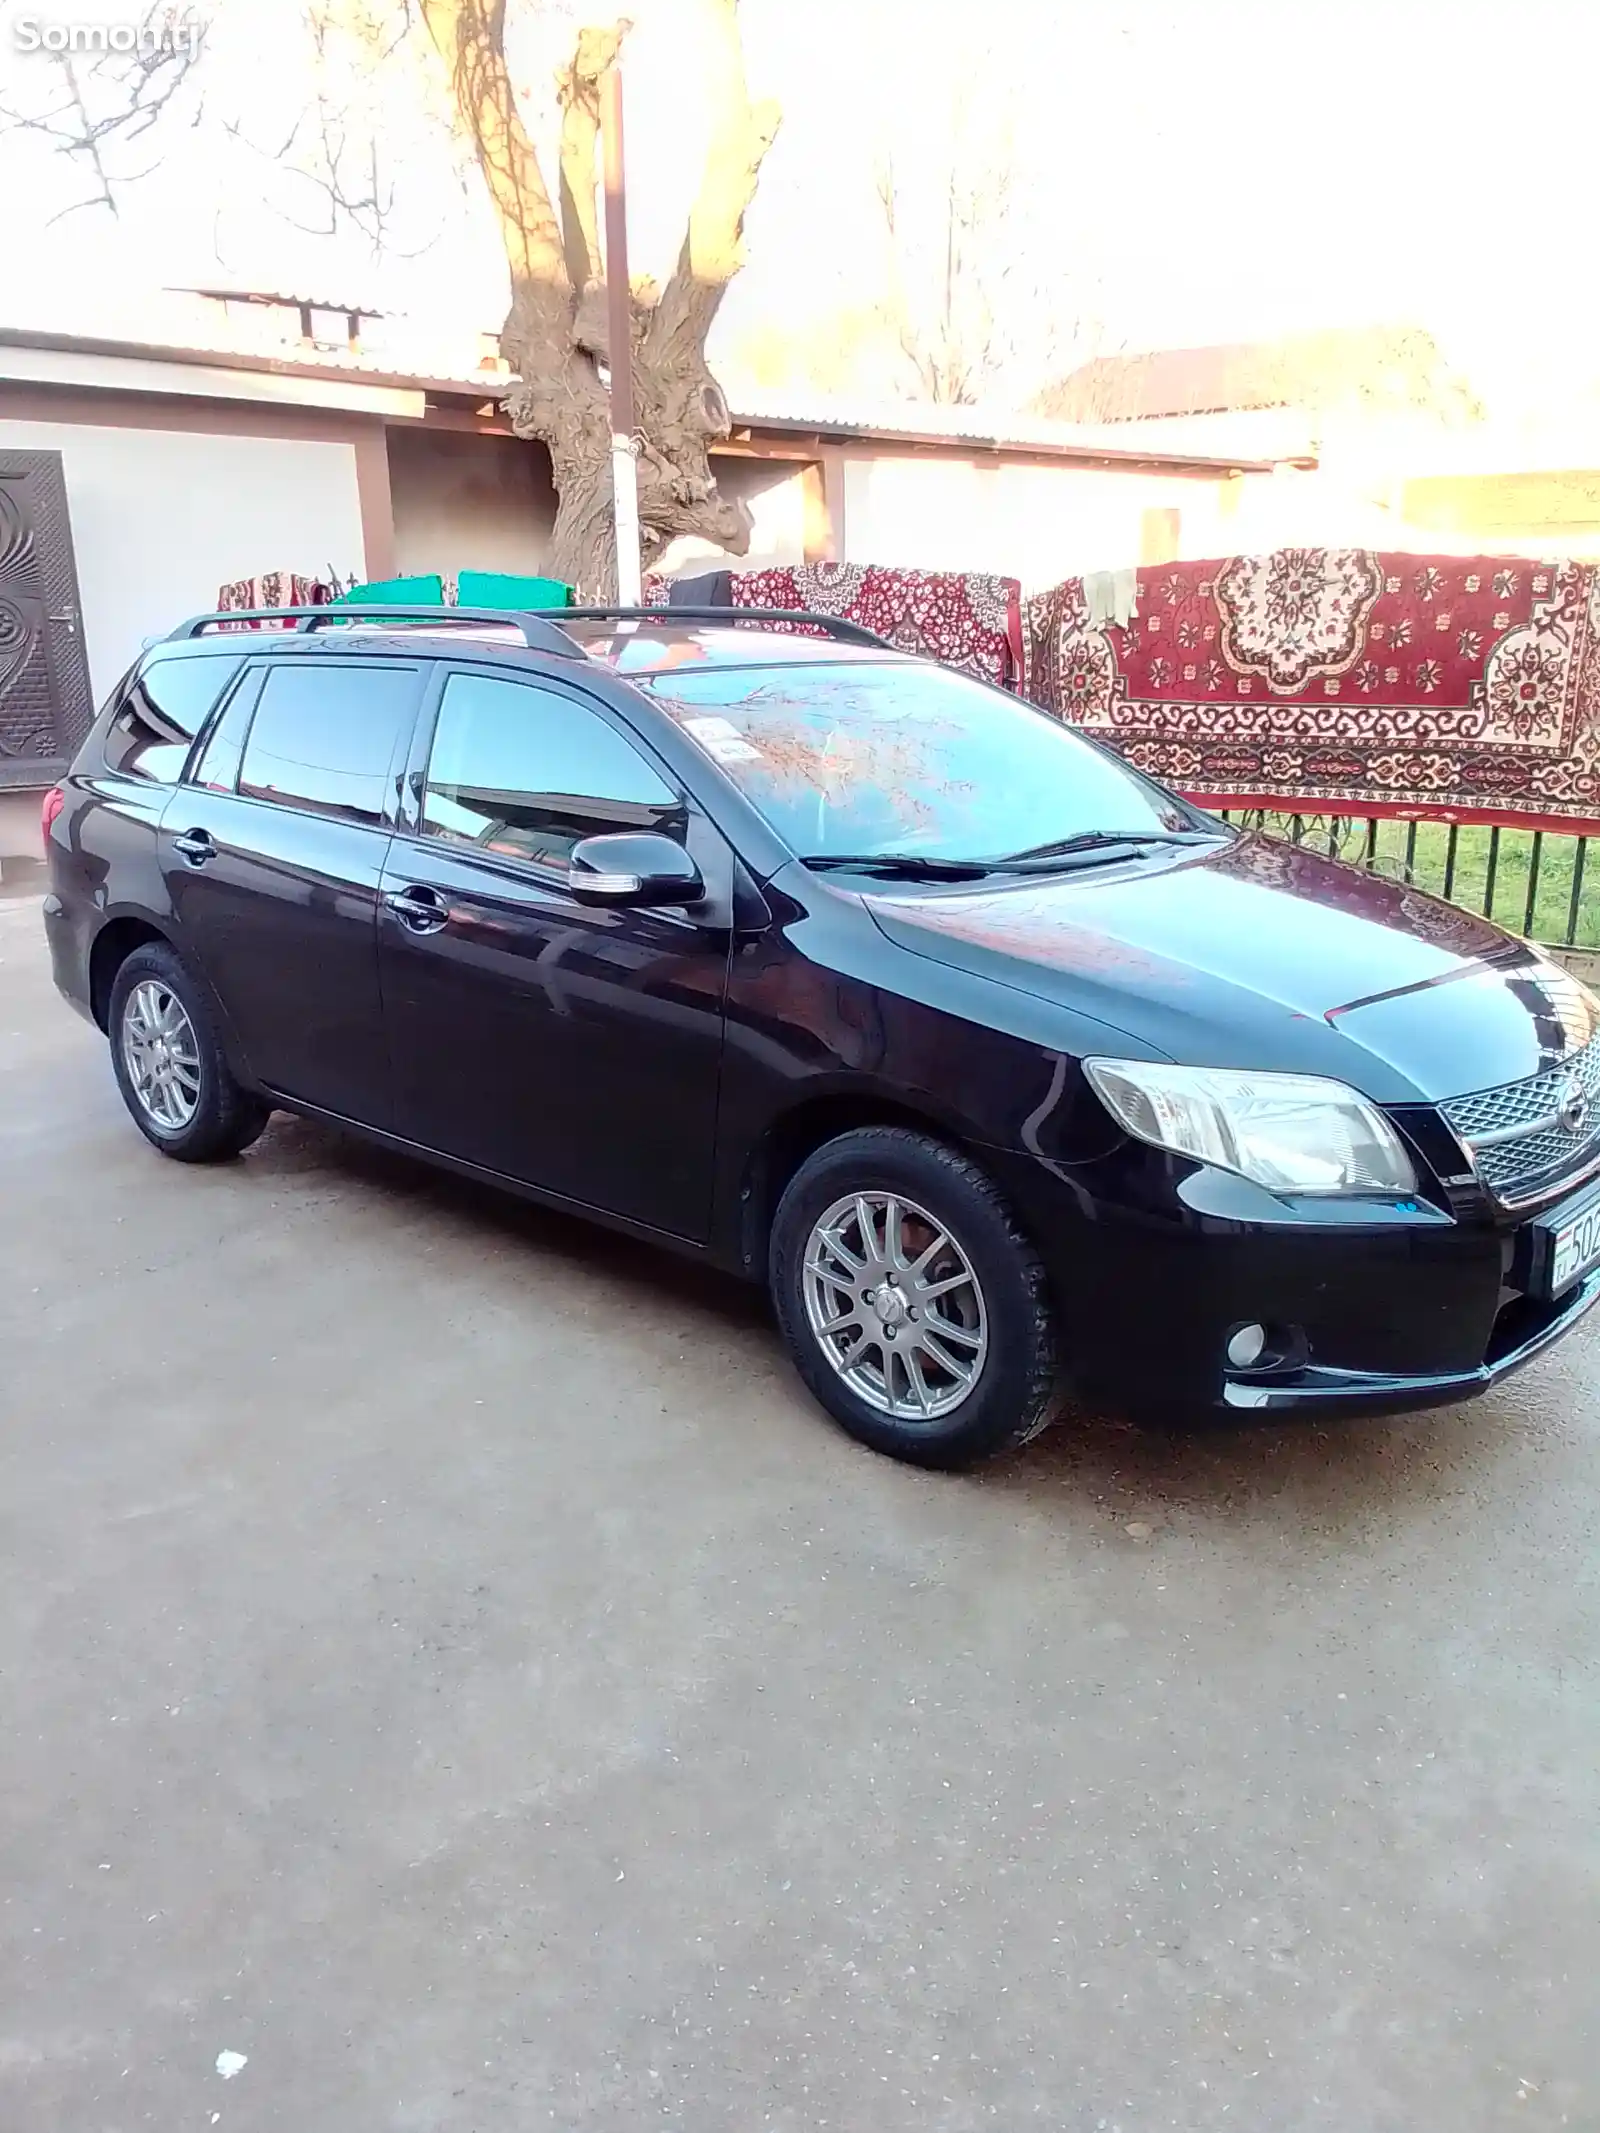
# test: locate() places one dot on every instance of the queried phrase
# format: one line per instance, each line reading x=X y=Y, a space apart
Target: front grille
x=1515 y=1134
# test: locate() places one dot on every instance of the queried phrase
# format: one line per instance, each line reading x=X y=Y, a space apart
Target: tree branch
x=113 y=100
x=578 y=94
x=343 y=164
x=965 y=302
x=713 y=247
x=469 y=36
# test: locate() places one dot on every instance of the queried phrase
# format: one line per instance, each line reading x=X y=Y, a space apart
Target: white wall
x=161 y=518
x=1036 y=523
x=774 y=492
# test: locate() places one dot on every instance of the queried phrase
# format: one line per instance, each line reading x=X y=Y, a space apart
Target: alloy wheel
x=895 y=1306
x=162 y=1055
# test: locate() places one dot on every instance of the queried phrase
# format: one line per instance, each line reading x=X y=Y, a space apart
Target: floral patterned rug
x=1465 y=689
x=966 y=618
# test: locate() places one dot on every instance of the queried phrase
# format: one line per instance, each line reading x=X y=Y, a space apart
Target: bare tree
x=942 y=305
x=343 y=154
x=93 y=103
x=555 y=333
x=974 y=304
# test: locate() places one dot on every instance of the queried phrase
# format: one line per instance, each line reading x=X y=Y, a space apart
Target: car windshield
x=902 y=757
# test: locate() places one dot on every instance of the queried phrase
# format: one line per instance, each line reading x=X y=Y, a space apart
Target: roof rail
x=539 y=633
x=832 y=625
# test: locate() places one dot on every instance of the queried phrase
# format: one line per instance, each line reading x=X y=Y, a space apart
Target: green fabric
x=494 y=588
x=395 y=592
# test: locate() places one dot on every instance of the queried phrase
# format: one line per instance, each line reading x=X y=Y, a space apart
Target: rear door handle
x=194 y=845
x=419 y=909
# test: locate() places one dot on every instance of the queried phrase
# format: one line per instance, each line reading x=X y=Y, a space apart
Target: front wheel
x=170 y=1067
x=913 y=1305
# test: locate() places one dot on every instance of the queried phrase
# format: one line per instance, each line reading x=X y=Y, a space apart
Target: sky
x=1223 y=169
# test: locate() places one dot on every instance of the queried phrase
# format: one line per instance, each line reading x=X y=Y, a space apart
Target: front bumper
x=1331 y=1391
x=1383 y=1307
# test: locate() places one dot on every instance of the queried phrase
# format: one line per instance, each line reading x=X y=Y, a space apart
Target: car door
x=273 y=852
x=570 y=1048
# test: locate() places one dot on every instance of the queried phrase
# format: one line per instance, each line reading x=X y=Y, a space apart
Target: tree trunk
x=555 y=334
x=583 y=548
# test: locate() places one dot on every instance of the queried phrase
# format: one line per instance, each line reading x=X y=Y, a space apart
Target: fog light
x=1246 y=1346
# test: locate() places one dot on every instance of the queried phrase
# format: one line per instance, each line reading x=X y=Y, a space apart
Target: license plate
x=1574 y=1248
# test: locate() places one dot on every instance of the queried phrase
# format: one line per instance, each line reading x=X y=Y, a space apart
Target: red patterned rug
x=1463 y=689
x=273 y=588
x=966 y=619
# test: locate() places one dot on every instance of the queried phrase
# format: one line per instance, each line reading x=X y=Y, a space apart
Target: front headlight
x=1290 y=1132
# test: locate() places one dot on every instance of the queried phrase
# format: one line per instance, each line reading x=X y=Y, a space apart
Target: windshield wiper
x=1102 y=841
x=900 y=866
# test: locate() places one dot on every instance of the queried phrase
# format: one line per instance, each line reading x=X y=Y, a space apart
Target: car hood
x=1261 y=955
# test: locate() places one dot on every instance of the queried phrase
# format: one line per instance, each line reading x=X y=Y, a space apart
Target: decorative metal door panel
x=45 y=704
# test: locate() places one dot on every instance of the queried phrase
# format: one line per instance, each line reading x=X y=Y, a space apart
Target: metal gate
x=45 y=704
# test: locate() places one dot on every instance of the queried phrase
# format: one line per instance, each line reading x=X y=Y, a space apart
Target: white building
x=228 y=433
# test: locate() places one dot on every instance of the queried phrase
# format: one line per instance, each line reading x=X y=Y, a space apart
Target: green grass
x=1552 y=911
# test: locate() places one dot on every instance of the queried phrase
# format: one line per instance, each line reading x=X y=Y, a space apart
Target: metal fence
x=1532 y=881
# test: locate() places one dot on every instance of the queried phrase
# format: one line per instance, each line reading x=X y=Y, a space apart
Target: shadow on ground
x=1329 y=1474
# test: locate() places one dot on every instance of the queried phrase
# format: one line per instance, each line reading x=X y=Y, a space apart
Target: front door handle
x=419 y=909
x=194 y=845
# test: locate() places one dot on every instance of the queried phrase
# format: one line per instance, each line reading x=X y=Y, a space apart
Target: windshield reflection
x=905 y=757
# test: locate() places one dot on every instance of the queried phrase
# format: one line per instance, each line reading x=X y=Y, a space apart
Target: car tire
x=943 y=1357
x=177 y=1085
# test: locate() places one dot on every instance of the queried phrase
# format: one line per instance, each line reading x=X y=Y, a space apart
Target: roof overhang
x=34 y=357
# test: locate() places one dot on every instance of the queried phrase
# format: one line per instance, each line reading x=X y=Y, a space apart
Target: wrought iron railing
x=1533 y=881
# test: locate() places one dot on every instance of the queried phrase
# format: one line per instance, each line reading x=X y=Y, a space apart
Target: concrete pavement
x=449 y=1665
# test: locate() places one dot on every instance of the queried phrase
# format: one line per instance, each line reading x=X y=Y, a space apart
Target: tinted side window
x=525 y=772
x=324 y=736
x=161 y=711
x=217 y=768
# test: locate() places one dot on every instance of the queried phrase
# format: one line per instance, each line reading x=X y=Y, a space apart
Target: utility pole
x=619 y=335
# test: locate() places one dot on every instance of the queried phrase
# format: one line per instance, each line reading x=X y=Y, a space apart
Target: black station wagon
x=1011 y=1074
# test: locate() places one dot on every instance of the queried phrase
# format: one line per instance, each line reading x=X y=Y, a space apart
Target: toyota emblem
x=1572 y=1113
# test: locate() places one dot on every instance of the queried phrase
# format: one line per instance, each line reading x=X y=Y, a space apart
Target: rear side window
x=324 y=737
x=222 y=751
x=526 y=772
x=161 y=711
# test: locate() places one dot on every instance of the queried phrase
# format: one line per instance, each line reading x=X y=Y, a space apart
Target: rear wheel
x=170 y=1068
x=913 y=1305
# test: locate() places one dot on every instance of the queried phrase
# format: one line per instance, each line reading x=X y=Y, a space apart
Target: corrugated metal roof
x=342 y=304
x=992 y=428
x=188 y=326
x=958 y=425
x=182 y=326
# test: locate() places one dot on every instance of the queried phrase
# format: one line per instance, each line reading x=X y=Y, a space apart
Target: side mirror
x=633 y=869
